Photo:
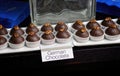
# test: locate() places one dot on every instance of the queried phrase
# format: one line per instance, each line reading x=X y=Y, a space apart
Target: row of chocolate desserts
x=59 y=33
x=62 y=34
x=15 y=38
x=94 y=31
x=31 y=36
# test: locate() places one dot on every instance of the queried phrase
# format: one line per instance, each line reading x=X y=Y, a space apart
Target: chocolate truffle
x=96 y=31
x=16 y=29
x=3 y=30
x=16 y=39
x=63 y=34
x=112 y=30
x=61 y=25
x=82 y=33
x=48 y=35
x=46 y=27
x=118 y=20
x=92 y=23
x=78 y=25
x=32 y=28
x=107 y=22
x=32 y=37
x=2 y=40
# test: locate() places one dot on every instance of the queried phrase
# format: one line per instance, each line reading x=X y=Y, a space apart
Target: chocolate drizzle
x=32 y=28
x=3 y=30
x=2 y=40
x=96 y=31
x=16 y=29
x=46 y=27
x=107 y=22
x=78 y=25
x=92 y=23
x=63 y=34
x=32 y=37
x=48 y=35
x=61 y=25
x=16 y=39
x=112 y=30
x=82 y=33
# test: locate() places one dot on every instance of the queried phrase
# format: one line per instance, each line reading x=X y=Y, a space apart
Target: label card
x=59 y=54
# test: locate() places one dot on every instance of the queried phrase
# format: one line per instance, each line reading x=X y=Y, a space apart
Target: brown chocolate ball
x=118 y=20
x=3 y=30
x=48 y=35
x=61 y=25
x=16 y=29
x=107 y=22
x=112 y=30
x=78 y=25
x=92 y=23
x=63 y=34
x=96 y=31
x=82 y=33
x=32 y=28
x=16 y=39
x=3 y=40
x=46 y=27
x=32 y=37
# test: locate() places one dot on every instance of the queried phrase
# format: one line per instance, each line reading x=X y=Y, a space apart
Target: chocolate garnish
x=82 y=33
x=32 y=28
x=3 y=30
x=63 y=34
x=16 y=39
x=2 y=40
x=92 y=23
x=48 y=35
x=96 y=31
x=107 y=22
x=78 y=25
x=112 y=30
x=46 y=27
x=16 y=29
x=32 y=37
x=60 y=25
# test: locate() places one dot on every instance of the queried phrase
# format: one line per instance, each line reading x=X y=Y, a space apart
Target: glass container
x=52 y=11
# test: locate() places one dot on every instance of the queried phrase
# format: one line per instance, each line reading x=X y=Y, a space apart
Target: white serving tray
x=56 y=46
x=23 y=49
x=102 y=42
x=59 y=45
x=94 y=43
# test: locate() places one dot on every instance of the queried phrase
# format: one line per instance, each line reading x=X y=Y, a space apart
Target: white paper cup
x=63 y=40
x=81 y=39
x=17 y=46
x=48 y=42
x=115 y=37
x=32 y=44
x=99 y=38
x=3 y=46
